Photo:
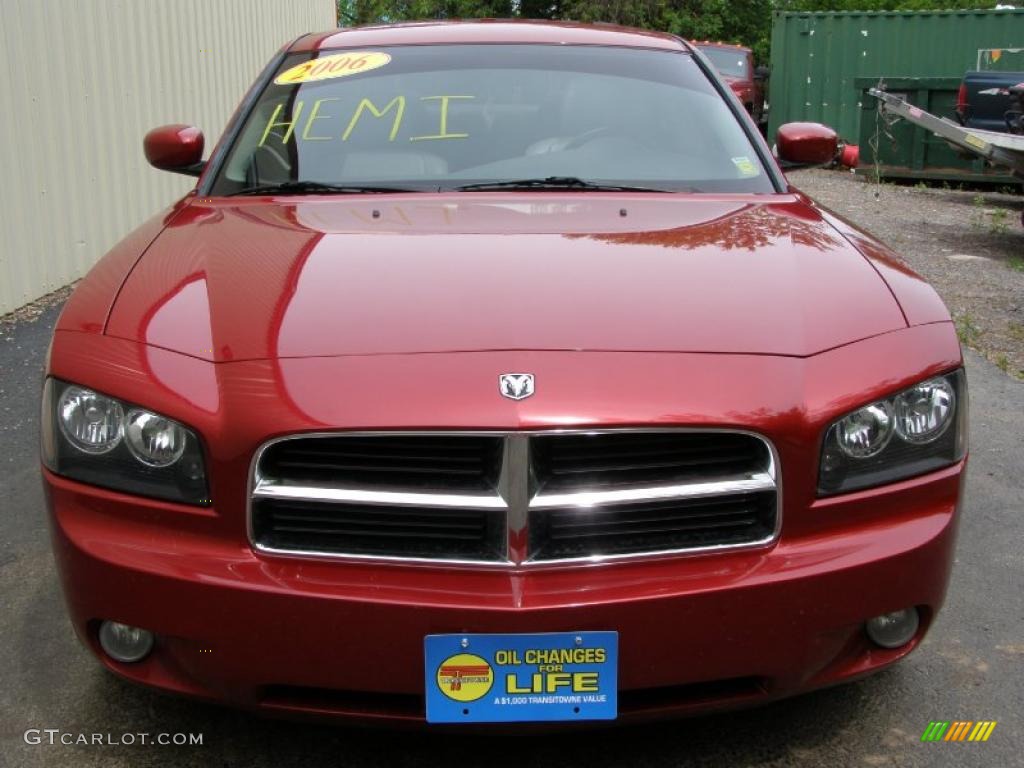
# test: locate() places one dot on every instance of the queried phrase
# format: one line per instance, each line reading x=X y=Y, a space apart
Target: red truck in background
x=735 y=63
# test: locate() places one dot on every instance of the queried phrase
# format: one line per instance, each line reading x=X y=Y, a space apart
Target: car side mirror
x=806 y=144
x=761 y=73
x=175 y=148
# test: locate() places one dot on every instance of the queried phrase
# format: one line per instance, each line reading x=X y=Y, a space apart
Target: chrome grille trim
x=516 y=496
x=762 y=481
x=268 y=490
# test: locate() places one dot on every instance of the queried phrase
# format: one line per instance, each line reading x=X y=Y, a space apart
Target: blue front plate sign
x=521 y=678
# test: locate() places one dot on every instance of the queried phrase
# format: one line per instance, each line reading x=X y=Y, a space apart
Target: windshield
x=728 y=61
x=445 y=117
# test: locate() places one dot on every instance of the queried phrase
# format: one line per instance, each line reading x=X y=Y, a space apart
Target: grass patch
x=1000 y=221
x=978 y=214
x=966 y=329
x=996 y=220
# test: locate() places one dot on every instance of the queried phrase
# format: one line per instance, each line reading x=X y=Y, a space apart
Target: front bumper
x=345 y=639
x=335 y=638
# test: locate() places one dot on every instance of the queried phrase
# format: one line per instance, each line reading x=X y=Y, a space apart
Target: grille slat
x=626 y=465
x=666 y=525
x=643 y=459
x=584 y=494
x=562 y=527
x=359 y=459
x=420 y=526
x=456 y=462
x=658 y=531
x=567 y=460
x=351 y=534
x=651 y=528
x=342 y=467
x=290 y=525
x=440 y=520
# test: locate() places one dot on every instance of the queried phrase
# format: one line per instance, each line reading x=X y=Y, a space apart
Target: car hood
x=258 y=278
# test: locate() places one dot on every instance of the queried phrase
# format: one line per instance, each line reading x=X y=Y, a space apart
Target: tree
x=541 y=9
x=384 y=11
x=748 y=22
x=736 y=21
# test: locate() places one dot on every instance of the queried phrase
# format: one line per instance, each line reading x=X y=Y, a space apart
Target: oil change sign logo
x=507 y=678
x=336 y=65
x=465 y=677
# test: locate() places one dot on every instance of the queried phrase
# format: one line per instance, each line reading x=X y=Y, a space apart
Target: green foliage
x=966 y=329
x=541 y=9
x=882 y=5
x=384 y=11
x=731 y=21
x=734 y=21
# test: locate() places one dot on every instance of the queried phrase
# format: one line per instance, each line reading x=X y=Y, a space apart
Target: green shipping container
x=817 y=57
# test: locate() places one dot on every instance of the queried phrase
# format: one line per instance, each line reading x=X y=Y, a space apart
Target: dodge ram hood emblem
x=516 y=386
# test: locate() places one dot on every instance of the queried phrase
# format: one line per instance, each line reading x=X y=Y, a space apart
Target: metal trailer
x=891 y=148
x=1003 y=149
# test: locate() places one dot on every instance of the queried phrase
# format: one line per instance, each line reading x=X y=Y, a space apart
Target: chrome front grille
x=515 y=498
x=438 y=462
x=368 y=530
x=642 y=458
x=615 y=529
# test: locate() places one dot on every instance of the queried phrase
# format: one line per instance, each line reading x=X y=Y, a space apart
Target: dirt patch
x=31 y=312
x=968 y=245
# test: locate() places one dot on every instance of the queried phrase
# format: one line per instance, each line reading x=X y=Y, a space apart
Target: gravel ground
x=968 y=245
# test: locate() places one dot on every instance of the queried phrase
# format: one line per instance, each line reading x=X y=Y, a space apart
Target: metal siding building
x=817 y=56
x=83 y=82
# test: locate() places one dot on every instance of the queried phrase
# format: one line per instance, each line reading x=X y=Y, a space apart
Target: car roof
x=487 y=31
x=714 y=44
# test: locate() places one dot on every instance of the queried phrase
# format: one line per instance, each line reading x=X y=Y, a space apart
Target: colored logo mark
x=958 y=730
x=465 y=677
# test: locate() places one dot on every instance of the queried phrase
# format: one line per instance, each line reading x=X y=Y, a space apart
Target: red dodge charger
x=493 y=372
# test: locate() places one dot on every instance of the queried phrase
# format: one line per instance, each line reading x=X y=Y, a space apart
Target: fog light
x=124 y=643
x=892 y=630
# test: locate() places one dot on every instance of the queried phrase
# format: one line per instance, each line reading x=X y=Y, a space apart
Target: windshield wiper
x=553 y=182
x=316 y=188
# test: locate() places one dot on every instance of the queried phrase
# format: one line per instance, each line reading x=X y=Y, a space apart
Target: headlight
x=154 y=440
x=103 y=441
x=92 y=423
x=924 y=412
x=918 y=430
x=866 y=432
